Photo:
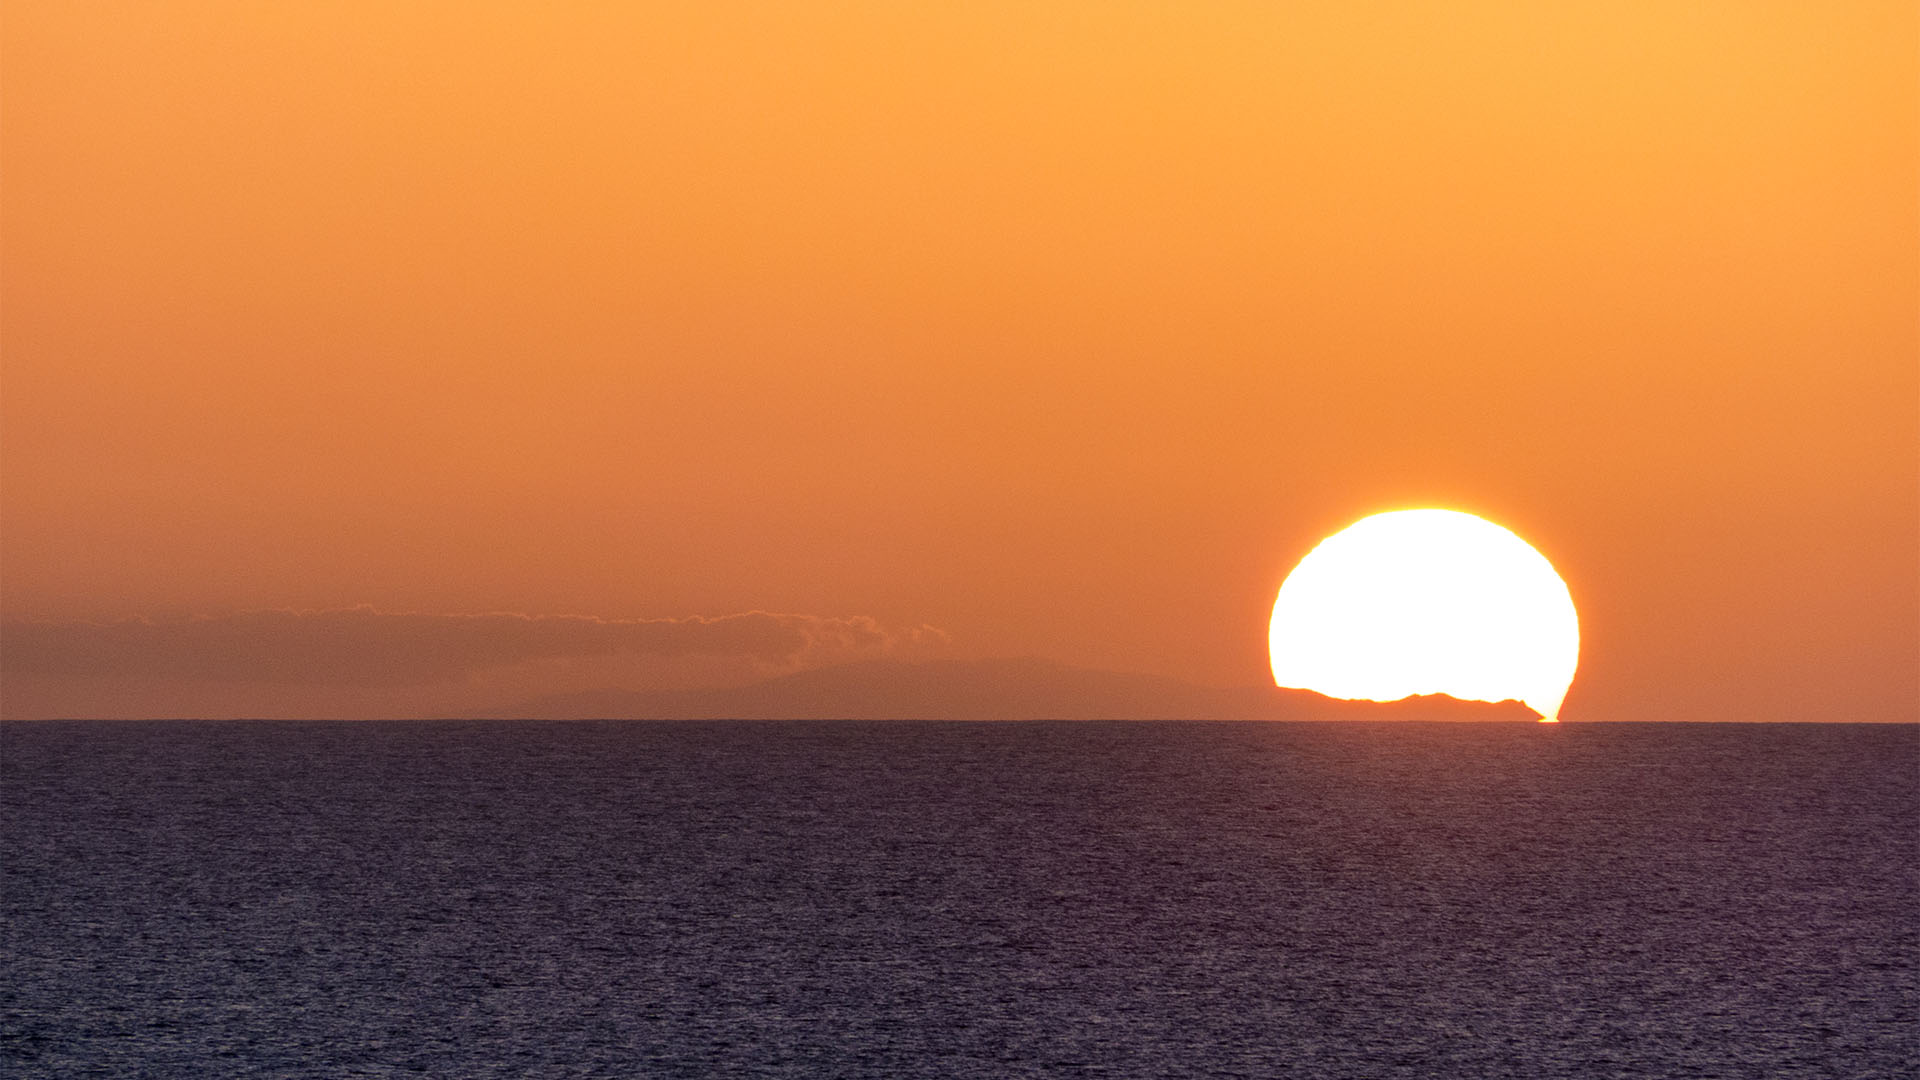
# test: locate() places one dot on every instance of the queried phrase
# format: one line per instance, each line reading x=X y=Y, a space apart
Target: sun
x=1426 y=602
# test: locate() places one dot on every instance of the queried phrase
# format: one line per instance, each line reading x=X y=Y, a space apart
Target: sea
x=913 y=899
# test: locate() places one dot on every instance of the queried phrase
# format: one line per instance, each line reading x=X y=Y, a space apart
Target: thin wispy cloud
x=363 y=646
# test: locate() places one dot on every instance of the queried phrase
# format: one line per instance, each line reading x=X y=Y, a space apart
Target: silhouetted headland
x=1003 y=689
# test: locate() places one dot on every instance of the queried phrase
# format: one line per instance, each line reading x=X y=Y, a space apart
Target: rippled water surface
x=959 y=900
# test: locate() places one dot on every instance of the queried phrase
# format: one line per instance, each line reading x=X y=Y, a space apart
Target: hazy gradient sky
x=1061 y=329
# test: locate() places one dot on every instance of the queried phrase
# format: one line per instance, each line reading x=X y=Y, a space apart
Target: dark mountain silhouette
x=1014 y=689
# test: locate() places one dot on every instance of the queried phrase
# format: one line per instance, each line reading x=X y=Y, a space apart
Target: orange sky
x=1061 y=329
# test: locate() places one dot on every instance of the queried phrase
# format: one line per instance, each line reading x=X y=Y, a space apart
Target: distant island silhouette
x=1000 y=689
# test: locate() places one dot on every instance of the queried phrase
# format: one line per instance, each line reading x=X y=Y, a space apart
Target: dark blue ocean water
x=827 y=899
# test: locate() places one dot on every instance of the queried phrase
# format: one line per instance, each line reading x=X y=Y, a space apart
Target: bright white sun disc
x=1426 y=602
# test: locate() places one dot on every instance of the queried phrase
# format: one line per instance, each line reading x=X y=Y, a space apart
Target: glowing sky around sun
x=1062 y=329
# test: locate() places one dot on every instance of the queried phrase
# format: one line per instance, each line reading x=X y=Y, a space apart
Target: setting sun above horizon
x=1426 y=602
